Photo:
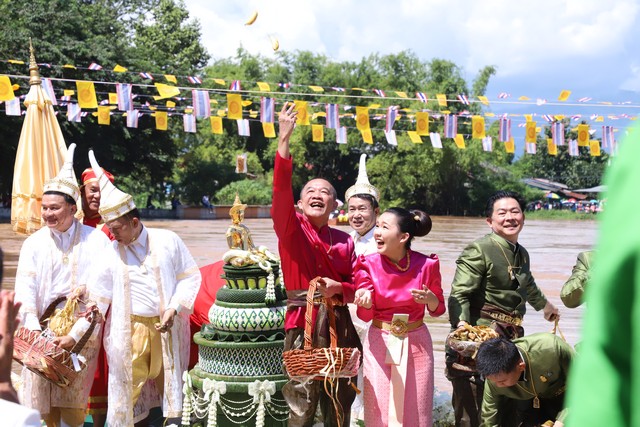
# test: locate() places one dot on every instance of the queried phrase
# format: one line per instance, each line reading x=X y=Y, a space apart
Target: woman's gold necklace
x=408 y=263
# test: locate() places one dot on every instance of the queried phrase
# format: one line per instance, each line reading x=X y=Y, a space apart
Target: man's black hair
x=496 y=356
x=503 y=194
x=67 y=198
x=367 y=197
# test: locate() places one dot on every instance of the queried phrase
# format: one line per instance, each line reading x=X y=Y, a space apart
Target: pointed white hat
x=362 y=185
x=113 y=202
x=65 y=182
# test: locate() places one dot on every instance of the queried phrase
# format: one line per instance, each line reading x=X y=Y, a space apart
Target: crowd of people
x=142 y=284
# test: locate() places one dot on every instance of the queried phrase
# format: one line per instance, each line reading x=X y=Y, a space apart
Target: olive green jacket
x=482 y=276
x=573 y=289
x=547 y=359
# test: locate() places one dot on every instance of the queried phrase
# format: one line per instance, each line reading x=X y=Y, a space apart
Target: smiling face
x=317 y=201
x=390 y=241
x=91 y=198
x=362 y=215
x=507 y=219
x=57 y=214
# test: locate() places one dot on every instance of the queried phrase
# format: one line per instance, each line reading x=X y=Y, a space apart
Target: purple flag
x=505 y=129
x=450 y=126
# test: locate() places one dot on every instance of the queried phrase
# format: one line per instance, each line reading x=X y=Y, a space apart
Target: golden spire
x=34 y=75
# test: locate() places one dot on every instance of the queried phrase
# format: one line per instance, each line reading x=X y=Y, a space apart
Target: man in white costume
x=151 y=281
x=56 y=261
x=362 y=211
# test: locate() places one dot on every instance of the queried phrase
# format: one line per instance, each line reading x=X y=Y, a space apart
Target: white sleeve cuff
x=79 y=329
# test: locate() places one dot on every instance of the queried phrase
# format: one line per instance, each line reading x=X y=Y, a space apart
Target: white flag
x=435 y=140
x=391 y=137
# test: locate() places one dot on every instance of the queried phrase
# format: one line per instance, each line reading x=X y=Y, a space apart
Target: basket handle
x=50 y=309
x=308 y=328
x=556 y=329
x=77 y=348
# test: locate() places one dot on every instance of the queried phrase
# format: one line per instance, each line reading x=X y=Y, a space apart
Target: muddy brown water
x=552 y=245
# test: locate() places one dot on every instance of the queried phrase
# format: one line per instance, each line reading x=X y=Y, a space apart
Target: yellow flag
x=564 y=95
x=104 y=115
x=171 y=78
x=583 y=135
x=253 y=114
x=552 y=149
x=170 y=104
x=269 y=129
x=594 y=148
x=216 y=125
x=489 y=114
x=119 y=69
x=374 y=106
x=510 y=146
x=73 y=67
x=303 y=114
x=6 y=90
x=234 y=106
x=558 y=117
x=317 y=133
x=220 y=81
x=264 y=86
x=113 y=98
x=221 y=113
x=530 y=135
x=366 y=136
x=15 y=61
x=316 y=88
x=69 y=92
x=422 y=123
x=15 y=86
x=442 y=99
x=477 y=127
x=414 y=137
x=600 y=119
x=459 y=140
x=166 y=91
x=483 y=99
x=162 y=120
x=528 y=117
x=86 y=94
x=402 y=94
x=362 y=118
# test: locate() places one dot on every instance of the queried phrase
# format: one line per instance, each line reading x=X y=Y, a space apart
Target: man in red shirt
x=308 y=248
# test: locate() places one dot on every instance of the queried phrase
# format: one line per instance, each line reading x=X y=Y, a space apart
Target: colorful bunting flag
x=421 y=96
x=269 y=129
x=104 y=115
x=450 y=126
x=341 y=135
x=166 y=91
x=564 y=95
x=318 y=89
x=487 y=143
x=267 y=110
x=146 y=76
x=12 y=107
x=391 y=137
x=366 y=136
x=594 y=148
x=510 y=146
x=530 y=147
x=317 y=133
x=73 y=112
x=6 y=89
x=557 y=133
x=132 y=119
x=504 y=133
x=608 y=137
x=503 y=95
x=463 y=99
x=189 y=121
x=201 y=103
x=402 y=94
x=547 y=117
x=194 y=80
x=392 y=113
x=234 y=106
x=477 y=127
x=414 y=137
x=583 y=135
x=171 y=78
x=436 y=142
x=243 y=127
x=86 y=94
x=125 y=98
x=235 y=85
x=95 y=67
x=303 y=115
x=442 y=100
x=459 y=141
x=530 y=135
x=362 y=118
x=162 y=120
x=119 y=69
x=216 y=125
x=47 y=87
x=333 y=118
x=552 y=148
x=573 y=148
x=585 y=99
x=422 y=123
x=483 y=99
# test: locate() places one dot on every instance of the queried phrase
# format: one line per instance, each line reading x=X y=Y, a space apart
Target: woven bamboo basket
x=321 y=363
x=36 y=352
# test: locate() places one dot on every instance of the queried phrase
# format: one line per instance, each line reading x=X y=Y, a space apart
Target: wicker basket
x=321 y=363
x=468 y=348
x=40 y=355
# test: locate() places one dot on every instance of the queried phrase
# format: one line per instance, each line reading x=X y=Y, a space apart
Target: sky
x=539 y=47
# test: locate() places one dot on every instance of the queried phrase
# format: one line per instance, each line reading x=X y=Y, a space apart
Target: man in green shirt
x=532 y=371
x=573 y=289
x=491 y=286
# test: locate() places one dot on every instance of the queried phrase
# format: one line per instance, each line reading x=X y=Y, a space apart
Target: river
x=552 y=245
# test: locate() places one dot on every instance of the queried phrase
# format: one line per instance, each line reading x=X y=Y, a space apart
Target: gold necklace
x=73 y=240
x=397 y=264
x=512 y=268
x=536 y=399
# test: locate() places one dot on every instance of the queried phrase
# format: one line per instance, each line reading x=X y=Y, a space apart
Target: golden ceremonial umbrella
x=40 y=155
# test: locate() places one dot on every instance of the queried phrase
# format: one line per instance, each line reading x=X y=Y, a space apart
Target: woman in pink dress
x=395 y=286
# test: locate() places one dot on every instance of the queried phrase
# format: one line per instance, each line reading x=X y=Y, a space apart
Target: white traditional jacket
x=42 y=277
x=364 y=245
x=178 y=279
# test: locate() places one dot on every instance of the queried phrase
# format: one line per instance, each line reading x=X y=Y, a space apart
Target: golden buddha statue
x=238 y=234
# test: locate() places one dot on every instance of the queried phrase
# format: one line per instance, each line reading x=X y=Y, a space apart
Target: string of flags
x=124 y=100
